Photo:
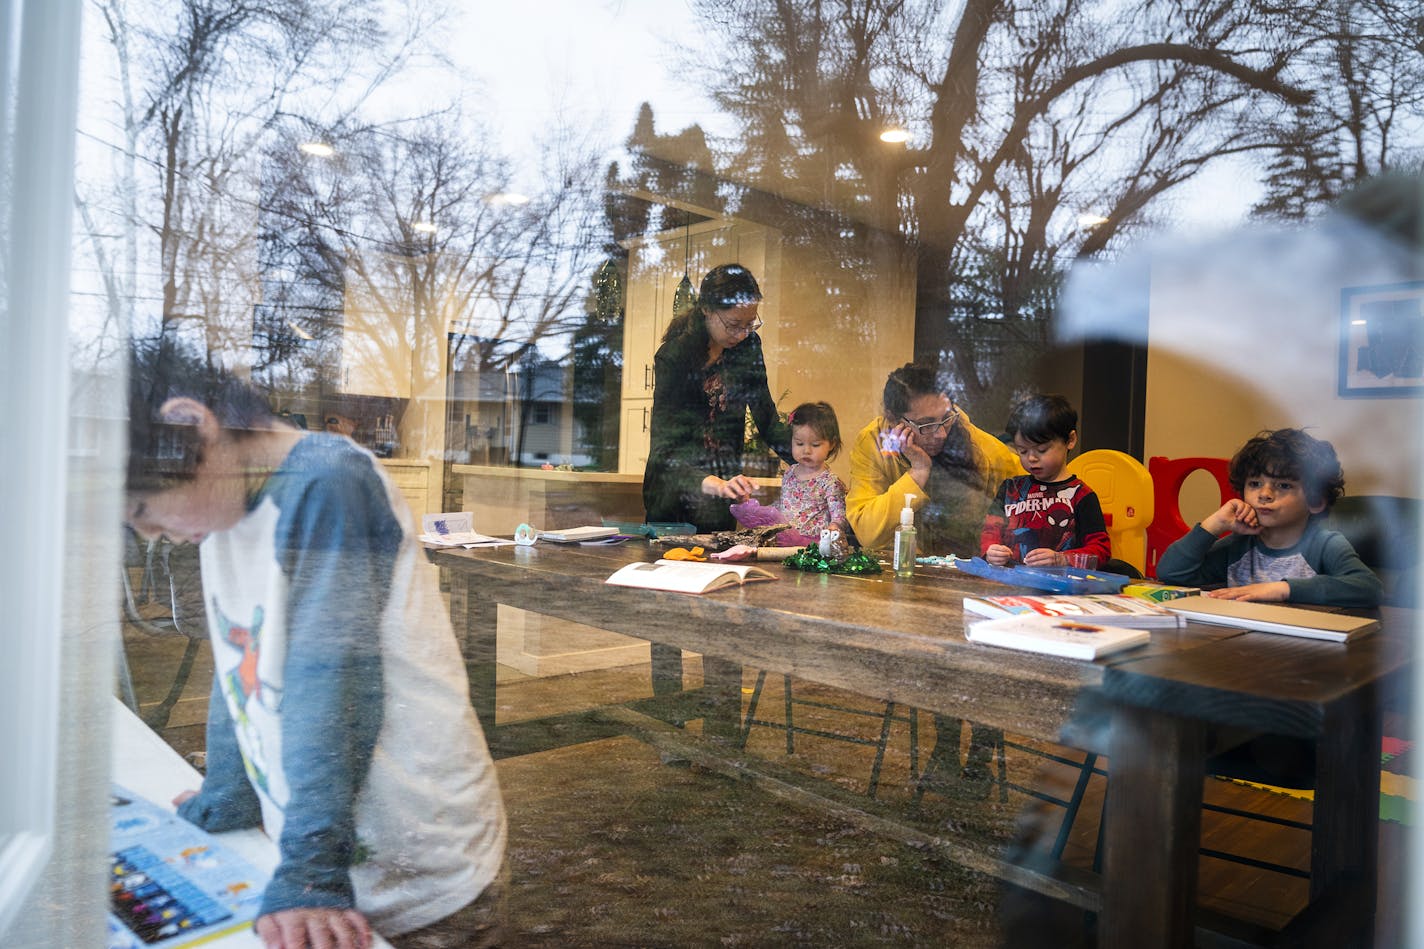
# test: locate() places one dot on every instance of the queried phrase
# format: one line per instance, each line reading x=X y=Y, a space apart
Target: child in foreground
x=1043 y=518
x=1277 y=548
x=340 y=718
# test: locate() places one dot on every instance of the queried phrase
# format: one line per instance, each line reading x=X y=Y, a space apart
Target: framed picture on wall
x=1382 y=340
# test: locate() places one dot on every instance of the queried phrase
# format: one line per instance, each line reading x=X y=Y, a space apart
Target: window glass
x=476 y=242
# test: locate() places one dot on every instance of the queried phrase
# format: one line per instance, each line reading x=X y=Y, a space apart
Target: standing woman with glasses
x=925 y=445
x=709 y=372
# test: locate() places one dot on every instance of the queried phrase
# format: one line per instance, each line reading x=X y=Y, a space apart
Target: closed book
x=685 y=576
x=1158 y=592
x=1107 y=609
x=1070 y=638
x=1274 y=618
x=578 y=535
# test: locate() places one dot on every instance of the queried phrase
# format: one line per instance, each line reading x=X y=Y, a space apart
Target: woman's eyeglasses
x=739 y=329
x=930 y=428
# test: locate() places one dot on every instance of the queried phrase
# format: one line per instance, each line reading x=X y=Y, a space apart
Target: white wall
x=1244 y=335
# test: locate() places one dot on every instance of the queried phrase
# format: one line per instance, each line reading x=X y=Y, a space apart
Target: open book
x=1274 y=618
x=1105 y=609
x=685 y=576
x=1055 y=636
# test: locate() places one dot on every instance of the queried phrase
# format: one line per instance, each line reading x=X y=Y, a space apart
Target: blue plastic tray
x=1047 y=579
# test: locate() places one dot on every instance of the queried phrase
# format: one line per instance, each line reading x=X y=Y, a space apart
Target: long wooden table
x=1168 y=704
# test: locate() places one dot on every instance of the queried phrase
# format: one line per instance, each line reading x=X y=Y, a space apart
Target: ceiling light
x=301 y=333
x=507 y=198
x=895 y=136
x=424 y=227
x=1091 y=220
x=319 y=149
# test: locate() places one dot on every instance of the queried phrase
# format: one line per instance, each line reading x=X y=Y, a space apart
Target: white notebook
x=577 y=535
x=1273 y=618
x=1056 y=636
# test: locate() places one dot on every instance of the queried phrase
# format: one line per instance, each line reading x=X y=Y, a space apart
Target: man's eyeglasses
x=739 y=329
x=930 y=428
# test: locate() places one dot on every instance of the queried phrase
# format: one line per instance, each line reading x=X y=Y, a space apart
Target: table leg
x=721 y=699
x=475 y=619
x=1153 y=830
x=1344 y=844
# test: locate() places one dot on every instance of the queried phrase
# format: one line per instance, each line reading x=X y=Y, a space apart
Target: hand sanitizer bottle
x=905 y=541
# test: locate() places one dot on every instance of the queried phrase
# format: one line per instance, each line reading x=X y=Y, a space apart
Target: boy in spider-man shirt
x=1040 y=518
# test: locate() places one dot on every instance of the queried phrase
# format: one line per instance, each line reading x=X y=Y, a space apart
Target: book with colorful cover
x=1274 y=618
x=1107 y=609
x=1155 y=592
x=1056 y=636
x=172 y=884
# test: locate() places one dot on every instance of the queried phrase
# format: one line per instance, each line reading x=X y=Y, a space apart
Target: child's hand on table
x=1275 y=591
x=999 y=555
x=1236 y=516
x=314 y=927
x=1044 y=557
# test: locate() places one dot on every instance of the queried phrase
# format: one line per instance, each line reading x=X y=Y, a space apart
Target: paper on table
x=465 y=539
x=456 y=522
x=456 y=530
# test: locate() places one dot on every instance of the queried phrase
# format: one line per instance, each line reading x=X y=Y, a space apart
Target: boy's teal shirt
x=1321 y=568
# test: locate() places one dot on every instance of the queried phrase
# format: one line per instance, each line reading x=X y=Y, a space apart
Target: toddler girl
x=812 y=497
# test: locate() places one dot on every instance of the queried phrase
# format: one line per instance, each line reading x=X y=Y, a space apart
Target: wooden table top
x=904 y=640
x=1282 y=684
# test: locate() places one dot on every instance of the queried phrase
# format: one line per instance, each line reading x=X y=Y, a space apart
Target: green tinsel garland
x=810 y=560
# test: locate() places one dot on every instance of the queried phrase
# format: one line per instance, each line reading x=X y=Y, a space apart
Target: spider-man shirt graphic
x=1028 y=514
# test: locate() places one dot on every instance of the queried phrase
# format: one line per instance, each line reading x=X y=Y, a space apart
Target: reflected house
x=523 y=417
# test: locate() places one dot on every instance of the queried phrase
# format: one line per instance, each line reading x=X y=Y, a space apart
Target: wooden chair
x=1168 y=475
x=1125 y=491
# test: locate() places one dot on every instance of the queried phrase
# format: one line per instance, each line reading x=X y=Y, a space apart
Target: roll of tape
x=525 y=536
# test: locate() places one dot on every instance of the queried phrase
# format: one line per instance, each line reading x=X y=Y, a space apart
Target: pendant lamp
x=685 y=297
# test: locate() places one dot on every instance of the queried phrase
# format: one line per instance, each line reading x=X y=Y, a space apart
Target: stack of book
x=1104 y=609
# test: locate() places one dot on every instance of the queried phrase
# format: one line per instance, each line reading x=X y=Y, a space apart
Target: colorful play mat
x=1397 y=783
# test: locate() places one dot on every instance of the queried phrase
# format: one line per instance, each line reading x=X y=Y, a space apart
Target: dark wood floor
x=612 y=845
